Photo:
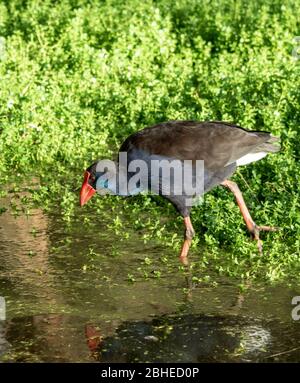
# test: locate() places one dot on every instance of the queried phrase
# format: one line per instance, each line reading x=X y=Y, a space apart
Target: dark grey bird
x=221 y=147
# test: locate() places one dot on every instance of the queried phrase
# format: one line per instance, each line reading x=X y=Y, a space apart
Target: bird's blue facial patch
x=102 y=183
x=105 y=184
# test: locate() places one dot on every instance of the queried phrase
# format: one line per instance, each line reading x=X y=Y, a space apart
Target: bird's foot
x=184 y=259
x=255 y=230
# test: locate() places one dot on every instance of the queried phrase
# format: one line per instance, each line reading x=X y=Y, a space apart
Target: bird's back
x=220 y=145
x=217 y=143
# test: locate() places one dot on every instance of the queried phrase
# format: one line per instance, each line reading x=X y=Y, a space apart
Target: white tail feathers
x=250 y=157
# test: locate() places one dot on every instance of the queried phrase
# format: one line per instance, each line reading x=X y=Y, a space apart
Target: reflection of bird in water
x=185 y=338
x=93 y=337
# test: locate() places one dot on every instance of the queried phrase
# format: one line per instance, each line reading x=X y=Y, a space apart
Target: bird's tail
x=272 y=145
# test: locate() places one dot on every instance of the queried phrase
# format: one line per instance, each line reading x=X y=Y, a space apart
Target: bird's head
x=98 y=178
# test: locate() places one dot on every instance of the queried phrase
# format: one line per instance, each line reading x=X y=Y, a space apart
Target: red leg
x=251 y=225
x=189 y=233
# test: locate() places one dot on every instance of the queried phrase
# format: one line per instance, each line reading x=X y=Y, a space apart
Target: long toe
x=259 y=245
x=268 y=228
x=256 y=232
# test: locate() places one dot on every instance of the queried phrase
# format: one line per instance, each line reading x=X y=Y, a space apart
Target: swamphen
x=221 y=145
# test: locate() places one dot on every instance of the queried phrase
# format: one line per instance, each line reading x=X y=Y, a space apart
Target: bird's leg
x=251 y=225
x=188 y=236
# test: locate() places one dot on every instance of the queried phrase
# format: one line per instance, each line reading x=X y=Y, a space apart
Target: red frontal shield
x=87 y=191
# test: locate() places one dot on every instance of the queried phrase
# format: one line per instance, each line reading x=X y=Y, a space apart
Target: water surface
x=78 y=293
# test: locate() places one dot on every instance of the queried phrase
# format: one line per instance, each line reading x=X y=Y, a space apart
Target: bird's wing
x=217 y=143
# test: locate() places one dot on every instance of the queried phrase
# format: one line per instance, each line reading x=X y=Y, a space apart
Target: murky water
x=70 y=297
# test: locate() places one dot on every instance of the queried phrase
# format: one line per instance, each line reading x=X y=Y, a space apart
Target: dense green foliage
x=78 y=76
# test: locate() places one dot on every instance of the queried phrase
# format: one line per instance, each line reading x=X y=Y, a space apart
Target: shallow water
x=70 y=297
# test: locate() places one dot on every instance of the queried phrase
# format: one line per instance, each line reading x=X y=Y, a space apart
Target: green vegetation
x=78 y=76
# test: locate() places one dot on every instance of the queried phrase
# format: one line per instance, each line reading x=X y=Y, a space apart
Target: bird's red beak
x=87 y=191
